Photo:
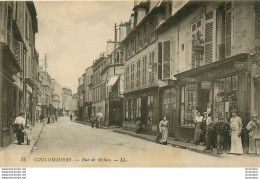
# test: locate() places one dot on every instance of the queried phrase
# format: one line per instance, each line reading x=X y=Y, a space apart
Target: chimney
x=141 y=12
x=122 y=31
x=110 y=47
x=132 y=21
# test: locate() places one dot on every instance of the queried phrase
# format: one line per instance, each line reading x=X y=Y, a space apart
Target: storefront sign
x=206 y=85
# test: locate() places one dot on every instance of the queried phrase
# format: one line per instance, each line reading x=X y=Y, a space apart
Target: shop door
x=144 y=108
x=204 y=100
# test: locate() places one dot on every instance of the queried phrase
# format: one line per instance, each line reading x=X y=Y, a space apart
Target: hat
x=254 y=115
x=205 y=113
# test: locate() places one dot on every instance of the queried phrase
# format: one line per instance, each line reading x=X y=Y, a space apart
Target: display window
x=225 y=95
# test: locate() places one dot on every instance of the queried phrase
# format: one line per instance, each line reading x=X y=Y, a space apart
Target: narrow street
x=80 y=144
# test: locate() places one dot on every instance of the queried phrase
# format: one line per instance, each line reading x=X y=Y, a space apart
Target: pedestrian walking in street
x=28 y=133
x=41 y=117
x=198 y=121
x=92 y=121
x=163 y=128
x=210 y=133
x=253 y=128
x=71 y=117
x=97 y=121
x=19 y=125
x=221 y=128
x=235 y=131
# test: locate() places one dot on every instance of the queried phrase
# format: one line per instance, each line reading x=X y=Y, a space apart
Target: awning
x=112 y=80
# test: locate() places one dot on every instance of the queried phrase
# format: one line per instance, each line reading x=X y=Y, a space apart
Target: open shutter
x=18 y=52
x=228 y=28
x=166 y=59
x=160 y=60
x=209 y=37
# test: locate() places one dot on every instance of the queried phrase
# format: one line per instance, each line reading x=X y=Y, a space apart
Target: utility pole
x=115 y=49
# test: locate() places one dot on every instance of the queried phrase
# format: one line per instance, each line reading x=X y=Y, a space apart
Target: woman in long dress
x=163 y=127
x=235 y=129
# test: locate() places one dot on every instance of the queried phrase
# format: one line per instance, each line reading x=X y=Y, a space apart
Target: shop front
x=216 y=88
x=8 y=94
x=141 y=106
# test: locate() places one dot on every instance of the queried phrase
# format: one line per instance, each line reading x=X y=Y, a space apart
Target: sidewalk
x=13 y=153
x=101 y=126
x=174 y=143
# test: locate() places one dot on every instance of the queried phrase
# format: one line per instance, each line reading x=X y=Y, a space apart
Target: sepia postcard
x=153 y=83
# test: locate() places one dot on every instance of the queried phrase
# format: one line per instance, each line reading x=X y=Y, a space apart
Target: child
x=28 y=133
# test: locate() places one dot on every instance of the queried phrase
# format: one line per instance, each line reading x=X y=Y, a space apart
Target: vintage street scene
x=154 y=83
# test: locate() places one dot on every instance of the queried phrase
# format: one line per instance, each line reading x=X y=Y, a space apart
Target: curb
x=36 y=141
x=173 y=145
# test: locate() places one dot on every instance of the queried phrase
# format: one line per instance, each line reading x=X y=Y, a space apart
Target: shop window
x=225 y=92
x=188 y=104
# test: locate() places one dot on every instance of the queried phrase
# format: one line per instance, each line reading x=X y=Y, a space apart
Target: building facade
x=19 y=61
x=145 y=73
x=209 y=56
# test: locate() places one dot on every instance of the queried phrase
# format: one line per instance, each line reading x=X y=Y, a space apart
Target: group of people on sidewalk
x=210 y=132
x=23 y=129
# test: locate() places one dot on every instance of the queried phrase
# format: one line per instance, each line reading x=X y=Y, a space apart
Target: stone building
x=19 y=61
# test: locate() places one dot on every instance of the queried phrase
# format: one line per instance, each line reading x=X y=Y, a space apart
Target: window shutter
x=160 y=60
x=18 y=51
x=209 y=36
x=166 y=59
x=228 y=28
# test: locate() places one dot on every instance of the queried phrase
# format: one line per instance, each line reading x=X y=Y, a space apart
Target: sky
x=74 y=34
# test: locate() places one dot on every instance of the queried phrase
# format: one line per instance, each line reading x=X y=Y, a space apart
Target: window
x=144 y=70
x=138 y=74
x=26 y=25
x=150 y=67
x=132 y=75
x=127 y=78
x=166 y=60
x=228 y=29
x=164 y=64
x=197 y=44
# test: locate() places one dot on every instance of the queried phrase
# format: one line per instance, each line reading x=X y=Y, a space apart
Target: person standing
x=235 y=130
x=252 y=127
x=20 y=123
x=203 y=128
x=198 y=121
x=41 y=117
x=221 y=128
x=97 y=122
x=210 y=133
x=92 y=121
x=163 y=128
x=71 y=117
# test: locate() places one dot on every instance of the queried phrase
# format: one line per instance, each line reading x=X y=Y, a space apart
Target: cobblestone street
x=73 y=144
